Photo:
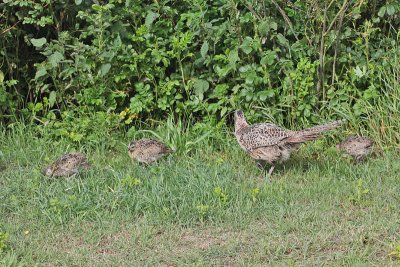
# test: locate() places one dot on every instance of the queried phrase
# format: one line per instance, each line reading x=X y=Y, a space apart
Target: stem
x=320 y=83
x=183 y=75
x=286 y=18
x=339 y=28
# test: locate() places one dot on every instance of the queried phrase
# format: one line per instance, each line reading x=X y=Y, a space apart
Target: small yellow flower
x=134 y=116
x=26 y=232
x=131 y=181
x=122 y=114
x=219 y=161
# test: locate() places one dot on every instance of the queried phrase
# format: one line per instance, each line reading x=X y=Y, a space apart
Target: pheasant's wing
x=271 y=154
x=165 y=149
x=262 y=135
x=72 y=161
x=151 y=148
x=62 y=161
x=358 y=144
x=366 y=142
x=156 y=147
x=82 y=161
x=357 y=141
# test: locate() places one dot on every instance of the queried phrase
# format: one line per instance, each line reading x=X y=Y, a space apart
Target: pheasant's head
x=240 y=121
x=132 y=145
x=48 y=171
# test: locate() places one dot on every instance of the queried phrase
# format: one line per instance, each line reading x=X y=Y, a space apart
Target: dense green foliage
x=113 y=62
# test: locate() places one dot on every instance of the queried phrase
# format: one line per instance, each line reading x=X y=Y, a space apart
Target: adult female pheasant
x=270 y=143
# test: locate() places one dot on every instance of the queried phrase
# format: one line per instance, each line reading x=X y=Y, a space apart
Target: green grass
x=209 y=207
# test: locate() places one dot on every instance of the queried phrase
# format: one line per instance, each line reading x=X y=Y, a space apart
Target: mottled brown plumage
x=271 y=143
x=67 y=165
x=356 y=146
x=147 y=150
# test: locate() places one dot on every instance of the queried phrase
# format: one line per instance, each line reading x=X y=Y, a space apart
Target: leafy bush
x=290 y=61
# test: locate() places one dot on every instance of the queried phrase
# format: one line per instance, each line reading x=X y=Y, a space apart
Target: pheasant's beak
x=131 y=146
x=47 y=171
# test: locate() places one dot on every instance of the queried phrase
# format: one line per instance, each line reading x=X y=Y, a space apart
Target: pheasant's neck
x=240 y=125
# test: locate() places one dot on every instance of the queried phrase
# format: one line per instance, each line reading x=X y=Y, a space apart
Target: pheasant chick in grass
x=270 y=143
x=147 y=150
x=356 y=146
x=67 y=165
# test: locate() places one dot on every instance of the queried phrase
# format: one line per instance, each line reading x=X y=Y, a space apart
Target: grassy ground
x=211 y=207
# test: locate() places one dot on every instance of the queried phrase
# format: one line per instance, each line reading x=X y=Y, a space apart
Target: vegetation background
x=89 y=74
x=75 y=65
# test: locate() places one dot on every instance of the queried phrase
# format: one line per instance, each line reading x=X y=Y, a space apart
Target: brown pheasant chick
x=67 y=165
x=356 y=146
x=147 y=150
x=267 y=142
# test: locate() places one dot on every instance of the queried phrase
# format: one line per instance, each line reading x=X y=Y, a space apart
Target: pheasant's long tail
x=313 y=133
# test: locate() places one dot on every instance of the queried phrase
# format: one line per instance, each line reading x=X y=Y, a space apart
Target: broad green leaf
x=40 y=72
x=96 y=7
x=78 y=2
x=150 y=18
x=76 y=136
x=307 y=113
x=263 y=28
x=55 y=58
x=247 y=45
x=38 y=42
x=233 y=57
x=1 y=76
x=223 y=111
x=390 y=10
x=251 y=77
x=282 y=40
x=371 y=92
x=359 y=72
x=268 y=58
x=38 y=107
x=263 y=95
x=382 y=11
x=200 y=86
x=204 y=49
x=273 y=25
x=104 y=69
x=52 y=98
x=246 y=17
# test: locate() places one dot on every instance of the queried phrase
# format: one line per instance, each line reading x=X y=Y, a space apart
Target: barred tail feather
x=324 y=127
x=313 y=133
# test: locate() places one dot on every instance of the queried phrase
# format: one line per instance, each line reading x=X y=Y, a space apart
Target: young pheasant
x=356 y=146
x=67 y=165
x=269 y=143
x=147 y=150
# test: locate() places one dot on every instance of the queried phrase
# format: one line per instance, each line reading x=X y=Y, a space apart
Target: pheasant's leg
x=74 y=173
x=271 y=170
x=260 y=164
x=358 y=159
